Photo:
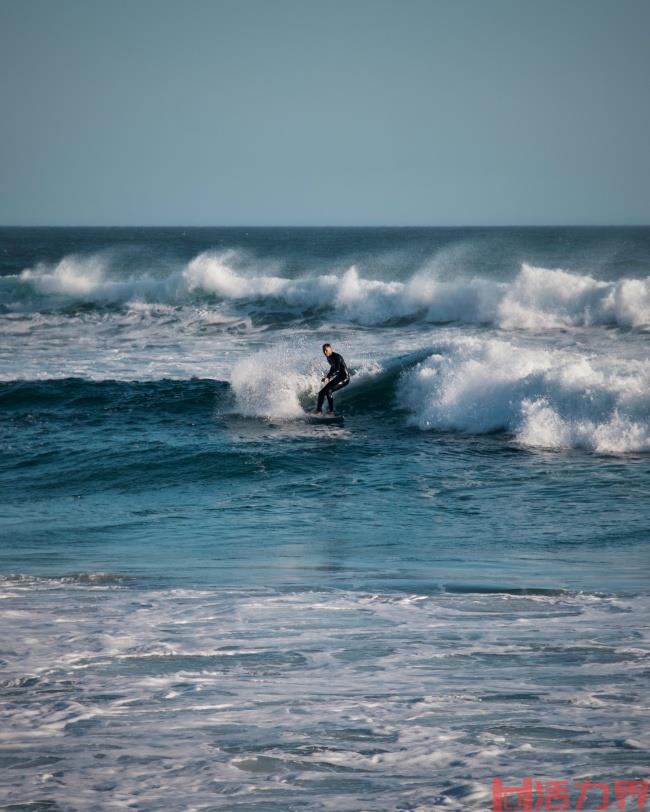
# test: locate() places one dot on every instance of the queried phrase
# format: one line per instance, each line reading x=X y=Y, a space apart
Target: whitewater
x=537 y=298
x=205 y=598
x=556 y=358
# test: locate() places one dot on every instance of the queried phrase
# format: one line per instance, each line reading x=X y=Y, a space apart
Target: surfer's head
x=327 y=349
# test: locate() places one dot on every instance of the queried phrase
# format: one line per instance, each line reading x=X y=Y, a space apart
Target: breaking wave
x=536 y=299
x=546 y=398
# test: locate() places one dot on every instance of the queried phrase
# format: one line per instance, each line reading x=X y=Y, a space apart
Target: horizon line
x=350 y=226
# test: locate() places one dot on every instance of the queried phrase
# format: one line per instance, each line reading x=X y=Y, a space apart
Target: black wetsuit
x=337 y=378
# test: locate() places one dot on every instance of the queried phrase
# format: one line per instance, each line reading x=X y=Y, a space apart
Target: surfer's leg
x=327 y=391
x=321 y=398
x=332 y=387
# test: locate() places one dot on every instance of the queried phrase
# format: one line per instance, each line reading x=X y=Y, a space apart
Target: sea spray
x=88 y=279
x=272 y=382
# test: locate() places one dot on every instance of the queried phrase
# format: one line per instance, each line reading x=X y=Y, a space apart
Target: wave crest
x=543 y=298
x=88 y=280
x=537 y=299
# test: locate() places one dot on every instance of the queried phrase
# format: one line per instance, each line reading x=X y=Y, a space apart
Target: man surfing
x=337 y=377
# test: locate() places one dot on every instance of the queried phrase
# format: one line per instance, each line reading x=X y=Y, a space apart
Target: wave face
x=111 y=398
x=537 y=298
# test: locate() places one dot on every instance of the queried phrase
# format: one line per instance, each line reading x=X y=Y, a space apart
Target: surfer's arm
x=336 y=367
x=327 y=377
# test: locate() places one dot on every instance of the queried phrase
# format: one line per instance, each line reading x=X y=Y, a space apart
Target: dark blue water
x=383 y=614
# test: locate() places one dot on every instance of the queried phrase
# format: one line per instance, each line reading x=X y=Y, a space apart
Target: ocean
x=210 y=604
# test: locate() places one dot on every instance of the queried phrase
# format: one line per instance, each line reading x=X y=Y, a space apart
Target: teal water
x=202 y=593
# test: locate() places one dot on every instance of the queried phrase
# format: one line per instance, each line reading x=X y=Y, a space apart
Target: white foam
x=537 y=299
x=543 y=298
x=295 y=684
x=548 y=398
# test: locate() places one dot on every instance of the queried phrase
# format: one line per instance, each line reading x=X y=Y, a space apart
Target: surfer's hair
x=325 y=346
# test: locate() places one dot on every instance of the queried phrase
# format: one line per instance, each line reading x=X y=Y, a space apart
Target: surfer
x=337 y=377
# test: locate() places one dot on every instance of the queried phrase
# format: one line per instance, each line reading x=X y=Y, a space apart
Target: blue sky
x=227 y=112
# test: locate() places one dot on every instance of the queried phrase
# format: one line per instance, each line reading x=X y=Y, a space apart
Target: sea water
x=209 y=604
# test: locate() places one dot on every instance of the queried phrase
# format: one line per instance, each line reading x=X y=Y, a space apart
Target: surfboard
x=324 y=419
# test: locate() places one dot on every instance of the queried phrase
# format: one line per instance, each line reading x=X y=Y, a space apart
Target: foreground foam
x=548 y=398
x=318 y=700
